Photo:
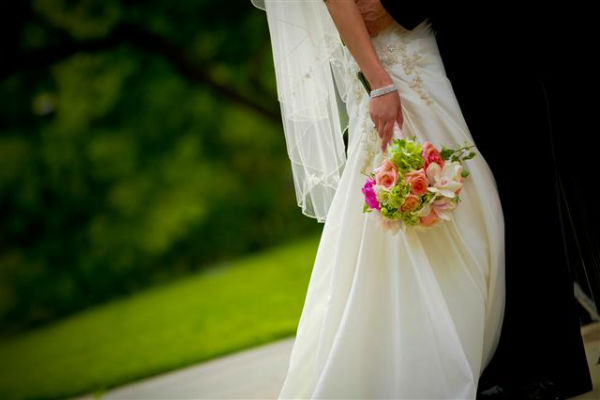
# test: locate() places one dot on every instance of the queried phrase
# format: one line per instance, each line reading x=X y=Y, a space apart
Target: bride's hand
x=350 y=24
x=384 y=111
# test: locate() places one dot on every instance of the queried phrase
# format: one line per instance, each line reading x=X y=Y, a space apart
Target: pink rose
x=430 y=218
x=386 y=174
x=431 y=155
x=417 y=180
x=410 y=203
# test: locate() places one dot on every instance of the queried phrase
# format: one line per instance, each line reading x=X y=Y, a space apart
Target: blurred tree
x=138 y=141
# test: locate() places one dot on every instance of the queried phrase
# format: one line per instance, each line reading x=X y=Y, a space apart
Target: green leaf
x=446 y=153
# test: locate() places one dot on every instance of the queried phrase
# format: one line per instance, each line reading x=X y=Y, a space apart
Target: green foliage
x=229 y=307
x=128 y=155
x=459 y=154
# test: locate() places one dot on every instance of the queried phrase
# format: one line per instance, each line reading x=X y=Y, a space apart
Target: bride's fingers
x=387 y=131
x=382 y=136
x=400 y=117
x=378 y=127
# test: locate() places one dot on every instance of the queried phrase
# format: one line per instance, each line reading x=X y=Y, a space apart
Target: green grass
x=230 y=307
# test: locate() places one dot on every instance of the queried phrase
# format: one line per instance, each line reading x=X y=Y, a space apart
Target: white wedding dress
x=416 y=315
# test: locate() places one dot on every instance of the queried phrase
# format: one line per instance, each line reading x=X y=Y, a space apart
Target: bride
x=412 y=315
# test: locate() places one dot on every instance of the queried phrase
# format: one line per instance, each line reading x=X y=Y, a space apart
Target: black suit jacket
x=507 y=70
x=406 y=17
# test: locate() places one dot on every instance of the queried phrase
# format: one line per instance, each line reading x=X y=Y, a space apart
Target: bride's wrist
x=381 y=79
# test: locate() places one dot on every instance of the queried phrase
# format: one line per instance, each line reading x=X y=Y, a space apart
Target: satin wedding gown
x=416 y=315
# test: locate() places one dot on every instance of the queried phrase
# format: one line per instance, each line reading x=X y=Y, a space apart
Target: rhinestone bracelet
x=382 y=90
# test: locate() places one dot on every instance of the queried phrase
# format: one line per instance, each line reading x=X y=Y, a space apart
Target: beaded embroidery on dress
x=415 y=315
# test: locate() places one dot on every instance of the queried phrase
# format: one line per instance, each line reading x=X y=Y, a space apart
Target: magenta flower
x=369 y=193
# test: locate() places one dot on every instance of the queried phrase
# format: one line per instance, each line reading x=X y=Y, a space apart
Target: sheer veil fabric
x=415 y=315
x=309 y=60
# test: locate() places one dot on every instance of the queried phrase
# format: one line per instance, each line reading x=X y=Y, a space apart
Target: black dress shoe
x=496 y=392
x=540 y=390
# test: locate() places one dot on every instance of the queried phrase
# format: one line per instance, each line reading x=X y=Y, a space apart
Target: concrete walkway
x=258 y=373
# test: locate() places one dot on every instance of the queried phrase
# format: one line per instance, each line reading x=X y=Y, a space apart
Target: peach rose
x=386 y=165
x=386 y=174
x=431 y=155
x=430 y=218
x=410 y=203
x=417 y=180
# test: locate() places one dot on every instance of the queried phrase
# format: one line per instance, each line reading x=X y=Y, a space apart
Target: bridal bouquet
x=416 y=184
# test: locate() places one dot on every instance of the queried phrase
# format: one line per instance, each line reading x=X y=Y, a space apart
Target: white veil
x=309 y=59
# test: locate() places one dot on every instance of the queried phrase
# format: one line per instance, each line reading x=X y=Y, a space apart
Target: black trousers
x=522 y=82
x=504 y=72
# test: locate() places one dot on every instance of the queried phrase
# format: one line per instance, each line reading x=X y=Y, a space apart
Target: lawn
x=228 y=307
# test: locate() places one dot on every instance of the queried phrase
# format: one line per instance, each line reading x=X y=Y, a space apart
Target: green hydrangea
x=411 y=218
x=406 y=154
x=394 y=197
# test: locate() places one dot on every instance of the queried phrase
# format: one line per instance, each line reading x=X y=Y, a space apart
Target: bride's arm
x=349 y=22
x=353 y=31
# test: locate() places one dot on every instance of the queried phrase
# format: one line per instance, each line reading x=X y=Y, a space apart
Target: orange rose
x=417 y=180
x=430 y=218
x=410 y=203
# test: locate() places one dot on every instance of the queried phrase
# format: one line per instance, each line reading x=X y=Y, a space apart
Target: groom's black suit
x=501 y=66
